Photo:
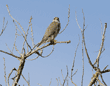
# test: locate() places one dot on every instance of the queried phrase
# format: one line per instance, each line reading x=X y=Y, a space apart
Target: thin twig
x=8 y=48
x=14 y=19
x=46 y=55
x=103 y=80
x=5 y=72
x=35 y=51
x=32 y=38
x=39 y=84
x=66 y=76
x=105 y=67
x=101 y=46
x=74 y=63
x=62 y=74
x=26 y=80
x=3 y=28
x=68 y=20
x=77 y=21
x=14 y=40
x=10 y=54
x=101 y=28
x=27 y=34
x=57 y=82
x=83 y=48
x=50 y=82
x=10 y=74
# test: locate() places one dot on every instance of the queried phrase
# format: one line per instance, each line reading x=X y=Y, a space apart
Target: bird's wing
x=50 y=30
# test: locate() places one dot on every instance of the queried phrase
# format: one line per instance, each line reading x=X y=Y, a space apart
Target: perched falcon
x=51 y=32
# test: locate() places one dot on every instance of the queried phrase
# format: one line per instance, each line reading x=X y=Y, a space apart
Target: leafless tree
x=28 y=51
x=33 y=49
x=94 y=65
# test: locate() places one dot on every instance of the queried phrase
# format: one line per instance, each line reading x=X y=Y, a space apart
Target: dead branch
x=19 y=71
x=68 y=20
x=74 y=63
x=50 y=82
x=66 y=76
x=82 y=32
x=10 y=74
x=5 y=72
x=101 y=47
x=26 y=80
x=57 y=82
x=39 y=84
x=10 y=54
x=94 y=79
x=14 y=19
x=3 y=28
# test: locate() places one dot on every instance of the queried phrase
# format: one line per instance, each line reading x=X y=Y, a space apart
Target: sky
x=44 y=70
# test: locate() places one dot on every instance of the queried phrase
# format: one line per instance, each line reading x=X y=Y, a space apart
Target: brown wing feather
x=53 y=29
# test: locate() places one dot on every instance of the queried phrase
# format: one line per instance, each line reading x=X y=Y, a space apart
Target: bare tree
x=29 y=50
x=33 y=49
x=98 y=72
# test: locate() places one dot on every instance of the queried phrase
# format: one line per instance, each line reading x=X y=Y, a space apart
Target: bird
x=51 y=32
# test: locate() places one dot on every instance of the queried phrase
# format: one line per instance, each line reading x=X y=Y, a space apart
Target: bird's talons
x=55 y=41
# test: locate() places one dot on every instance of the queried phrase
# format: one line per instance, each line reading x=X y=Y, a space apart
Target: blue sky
x=42 y=70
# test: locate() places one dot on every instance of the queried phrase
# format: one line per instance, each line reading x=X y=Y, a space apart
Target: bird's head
x=56 y=19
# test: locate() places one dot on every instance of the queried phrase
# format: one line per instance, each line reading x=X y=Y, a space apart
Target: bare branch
x=108 y=70
x=101 y=83
x=36 y=51
x=39 y=84
x=50 y=82
x=30 y=25
x=74 y=63
x=68 y=20
x=26 y=80
x=14 y=40
x=15 y=19
x=103 y=80
x=20 y=69
x=101 y=47
x=5 y=72
x=94 y=78
x=83 y=39
x=62 y=74
x=105 y=67
x=3 y=28
x=32 y=38
x=83 y=48
x=39 y=54
x=57 y=82
x=74 y=73
x=77 y=21
x=46 y=55
x=66 y=76
x=10 y=74
x=101 y=28
x=63 y=42
x=10 y=54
